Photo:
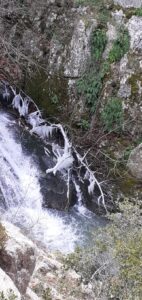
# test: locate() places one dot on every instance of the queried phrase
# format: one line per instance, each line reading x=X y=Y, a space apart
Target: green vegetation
x=84 y=124
x=3 y=236
x=87 y=2
x=98 y=43
x=112 y=115
x=46 y=295
x=115 y=261
x=133 y=11
x=11 y=296
x=120 y=46
x=91 y=84
x=138 y=12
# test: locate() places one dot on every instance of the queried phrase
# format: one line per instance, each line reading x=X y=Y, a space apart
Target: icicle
x=16 y=102
x=25 y=107
x=92 y=180
x=6 y=94
x=63 y=156
x=44 y=131
x=34 y=119
x=78 y=192
x=64 y=162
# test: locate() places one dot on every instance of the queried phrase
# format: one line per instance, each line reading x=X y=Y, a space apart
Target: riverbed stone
x=17 y=257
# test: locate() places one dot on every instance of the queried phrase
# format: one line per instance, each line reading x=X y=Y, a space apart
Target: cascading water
x=22 y=197
x=20 y=187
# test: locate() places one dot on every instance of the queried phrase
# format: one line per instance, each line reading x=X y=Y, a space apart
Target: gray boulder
x=135 y=31
x=7 y=287
x=135 y=162
x=129 y=3
x=17 y=257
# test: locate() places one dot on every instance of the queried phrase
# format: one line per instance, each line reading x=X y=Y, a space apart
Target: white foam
x=20 y=186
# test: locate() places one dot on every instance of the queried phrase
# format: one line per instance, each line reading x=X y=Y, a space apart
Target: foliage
x=3 y=236
x=112 y=115
x=11 y=296
x=87 y=2
x=91 y=84
x=120 y=46
x=46 y=295
x=115 y=259
x=84 y=124
x=98 y=43
x=138 y=12
x=54 y=99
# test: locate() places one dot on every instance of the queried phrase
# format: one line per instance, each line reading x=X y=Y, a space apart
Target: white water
x=19 y=184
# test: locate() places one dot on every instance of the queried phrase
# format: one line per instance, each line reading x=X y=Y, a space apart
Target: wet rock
x=17 y=257
x=7 y=287
x=128 y=3
x=135 y=162
x=55 y=192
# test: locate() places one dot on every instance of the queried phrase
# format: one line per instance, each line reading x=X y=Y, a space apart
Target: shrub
x=112 y=115
x=91 y=84
x=120 y=46
x=138 y=12
x=114 y=259
x=98 y=43
x=84 y=124
x=90 y=87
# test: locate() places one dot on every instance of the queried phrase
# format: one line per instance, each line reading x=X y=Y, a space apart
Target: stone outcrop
x=129 y=3
x=7 y=288
x=17 y=257
x=79 y=49
x=53 y=280
x=135 y=162
x=135 y=31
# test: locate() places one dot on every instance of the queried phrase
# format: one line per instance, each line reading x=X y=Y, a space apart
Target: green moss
x=49 y=93
x=133 y=81
x=3 y=236
x=127 y=184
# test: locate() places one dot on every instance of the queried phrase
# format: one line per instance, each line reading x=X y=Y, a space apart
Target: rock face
x=135 y=162
x=129 y=3
x=7 y=287
x=52 y=280
x=56 y=35
x=79 y=49
x=17 y=257
x=135 y=31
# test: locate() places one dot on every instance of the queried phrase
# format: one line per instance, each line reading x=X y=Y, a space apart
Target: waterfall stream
x=21 y=194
